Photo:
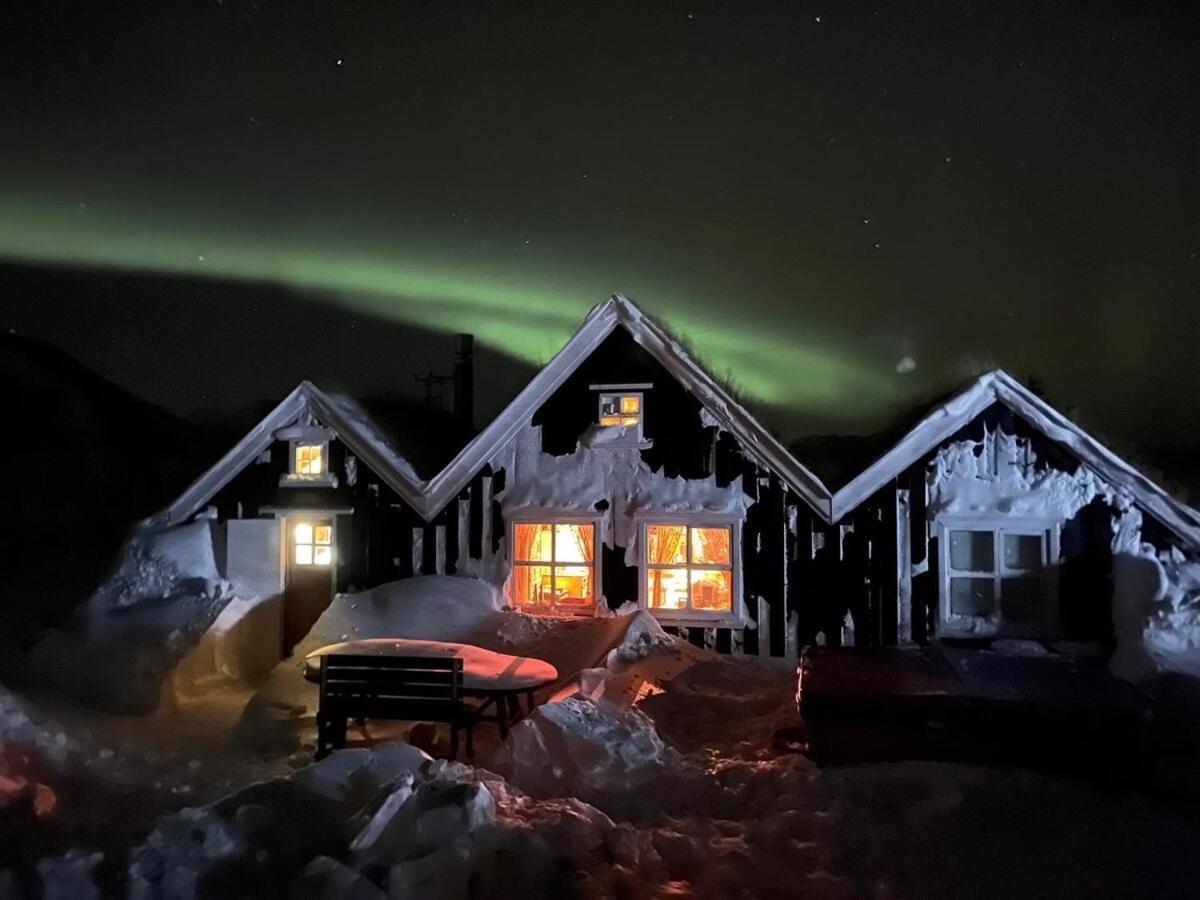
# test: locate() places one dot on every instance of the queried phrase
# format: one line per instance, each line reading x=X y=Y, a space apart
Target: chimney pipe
x=464 y=379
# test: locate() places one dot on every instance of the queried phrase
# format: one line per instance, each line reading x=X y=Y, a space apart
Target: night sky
x=844 y=207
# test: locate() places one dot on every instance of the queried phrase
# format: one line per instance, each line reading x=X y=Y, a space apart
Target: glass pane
x=323 y=534
x=573 y=585
x=308 y=459
x=608 y=421
x=710 y=546
x=303 y=533
x=972 y=551
x=532 y=586
x=667 y=588
x=531 y=542
x=1022 y=551
x=665 y=544
x=322 y=556
x=304 y=554
x=629 y=420
x=972 y=596
x=631 y=405
x=610 y=405
x=1021 y=599
x=712 y=591
x=574 y=543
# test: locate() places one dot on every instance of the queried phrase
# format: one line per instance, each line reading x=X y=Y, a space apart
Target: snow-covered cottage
x=996 y=515
x=625 y=475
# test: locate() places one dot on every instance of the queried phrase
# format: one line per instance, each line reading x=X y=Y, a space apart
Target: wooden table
x=498 y=678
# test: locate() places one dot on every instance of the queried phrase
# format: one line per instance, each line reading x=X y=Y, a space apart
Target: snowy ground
x=650 y=771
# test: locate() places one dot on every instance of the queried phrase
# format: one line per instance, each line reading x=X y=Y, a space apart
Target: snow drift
x=117 y=649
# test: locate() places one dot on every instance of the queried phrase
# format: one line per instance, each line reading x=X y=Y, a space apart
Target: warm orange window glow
x=312 y=544
x=310 y=459
x=554 y=565
x=623 y=410
x=689 y=568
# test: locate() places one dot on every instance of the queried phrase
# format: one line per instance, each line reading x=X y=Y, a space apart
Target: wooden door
x=309 y=584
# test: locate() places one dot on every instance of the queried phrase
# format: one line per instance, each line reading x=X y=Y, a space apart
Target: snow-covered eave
x=999 y=386
x=306 y=396
x=600 y=322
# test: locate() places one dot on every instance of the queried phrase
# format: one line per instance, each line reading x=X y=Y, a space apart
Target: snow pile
x=1156 y=615
x=644 y=637
x=586 y=748
x=117 y=650
x=430 y=607
x=157 y=564
x=373 y=823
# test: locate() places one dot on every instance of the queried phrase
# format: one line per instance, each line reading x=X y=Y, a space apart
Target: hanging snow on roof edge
x=1000 y=387
x=600 y=322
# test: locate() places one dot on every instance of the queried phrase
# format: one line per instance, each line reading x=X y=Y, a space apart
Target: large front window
x=554 y=565
x=689 y=568
x=997 y=577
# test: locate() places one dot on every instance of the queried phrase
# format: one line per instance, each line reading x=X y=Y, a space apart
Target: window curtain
x=526 y=534
x=668 y=544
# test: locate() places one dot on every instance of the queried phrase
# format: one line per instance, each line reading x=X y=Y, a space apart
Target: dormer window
x=624 y=410
x=621 y=416
x=308 y=460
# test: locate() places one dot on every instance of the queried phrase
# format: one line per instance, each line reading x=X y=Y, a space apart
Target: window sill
x=302 y=481
x=693 y=619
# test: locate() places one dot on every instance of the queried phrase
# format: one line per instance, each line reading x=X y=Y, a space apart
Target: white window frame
x=618 y=394
x=533 y=517
x=294 y=478
x=736 y=617
x=1049 y=530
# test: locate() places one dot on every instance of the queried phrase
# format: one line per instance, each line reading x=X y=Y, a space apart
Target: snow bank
x=1156 y=615
x=116 y=651
x=429 y=607
x=581 y=747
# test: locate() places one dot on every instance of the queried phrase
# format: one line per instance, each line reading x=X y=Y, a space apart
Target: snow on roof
x=343 y=415
x=618 y=310
x=428 y=497
x=1000 y=387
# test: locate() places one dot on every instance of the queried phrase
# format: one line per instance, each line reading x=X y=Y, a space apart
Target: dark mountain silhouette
x=84 y=460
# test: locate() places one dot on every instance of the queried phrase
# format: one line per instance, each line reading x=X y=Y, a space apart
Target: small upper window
x=621 y=410
x=309 y=459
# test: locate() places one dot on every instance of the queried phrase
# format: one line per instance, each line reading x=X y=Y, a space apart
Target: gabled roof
x=619 y=311
x=348 y=420
x=1000 y=387
x=428 y=497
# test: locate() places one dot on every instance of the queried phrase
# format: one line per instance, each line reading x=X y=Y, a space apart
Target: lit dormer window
x=621 y=416
x=308 y=460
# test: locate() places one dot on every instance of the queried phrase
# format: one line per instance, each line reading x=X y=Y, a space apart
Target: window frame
x=735 y=617
x=534 y=517
x=314 y=520
x=1049 y=530
x=605 y=393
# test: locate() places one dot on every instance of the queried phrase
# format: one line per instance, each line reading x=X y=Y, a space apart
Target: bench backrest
x=347 y=678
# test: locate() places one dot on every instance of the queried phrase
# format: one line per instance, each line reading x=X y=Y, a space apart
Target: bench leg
x=529 y=702
x=454 y=742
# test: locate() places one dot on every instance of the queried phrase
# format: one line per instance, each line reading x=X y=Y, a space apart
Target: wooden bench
x=405 y=688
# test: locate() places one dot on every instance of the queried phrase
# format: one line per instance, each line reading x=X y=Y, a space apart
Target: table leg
x=502 y=715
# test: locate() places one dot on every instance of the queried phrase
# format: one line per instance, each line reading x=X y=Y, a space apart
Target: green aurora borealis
x=843 y=208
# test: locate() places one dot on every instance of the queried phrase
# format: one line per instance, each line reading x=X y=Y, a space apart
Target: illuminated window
x=312 y=544
x=308 y=459
x=621 y=410
x=1000 y=576
x=689 y=568
x=554 y=565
